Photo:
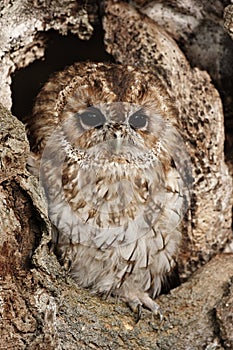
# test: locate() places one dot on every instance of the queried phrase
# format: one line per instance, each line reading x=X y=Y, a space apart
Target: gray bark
x=228 y=20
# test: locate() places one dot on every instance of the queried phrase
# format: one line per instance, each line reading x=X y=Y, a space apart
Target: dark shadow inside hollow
x=60 y=52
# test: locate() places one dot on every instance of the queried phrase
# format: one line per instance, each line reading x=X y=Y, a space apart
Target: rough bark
x=40 y=306
x=22 y=24
x=197 y=26
x=228 y=20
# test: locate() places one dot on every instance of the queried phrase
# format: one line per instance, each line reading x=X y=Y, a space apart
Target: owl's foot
x=138 y=300
x=137 y=304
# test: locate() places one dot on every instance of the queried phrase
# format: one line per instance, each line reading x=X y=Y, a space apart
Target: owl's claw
x=136 y=307
x=139 y=313
x=156 y=311
x=160 y=313
x=144 y=300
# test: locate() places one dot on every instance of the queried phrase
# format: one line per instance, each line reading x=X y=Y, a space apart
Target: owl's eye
x=92 y=117
x=138 y=120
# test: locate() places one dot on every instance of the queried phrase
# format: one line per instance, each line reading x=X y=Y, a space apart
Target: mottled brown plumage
x=116 y=176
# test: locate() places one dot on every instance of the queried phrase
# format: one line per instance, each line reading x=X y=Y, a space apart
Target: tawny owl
x=116 y=177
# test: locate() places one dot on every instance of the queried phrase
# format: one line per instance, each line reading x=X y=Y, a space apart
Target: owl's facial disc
x=116 y=128
x=117 y=133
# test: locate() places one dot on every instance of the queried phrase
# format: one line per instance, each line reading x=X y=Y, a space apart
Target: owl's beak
x=119 y=140
x=116 y=143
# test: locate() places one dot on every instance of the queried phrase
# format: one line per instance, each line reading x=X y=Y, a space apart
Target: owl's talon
x=160 y=315
x=139 y=300
x=158 y=312
x=139 y=312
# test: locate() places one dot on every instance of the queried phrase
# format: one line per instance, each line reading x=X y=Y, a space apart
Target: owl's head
x=93 y=102
x=123 y=110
